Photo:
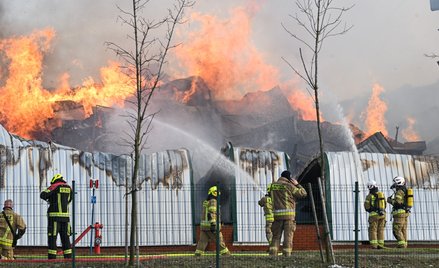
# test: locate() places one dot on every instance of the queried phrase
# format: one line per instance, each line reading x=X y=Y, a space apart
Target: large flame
x=376 y=109
x=301 y=102
x=409 y=133
x=25 y=105
x=222 y=54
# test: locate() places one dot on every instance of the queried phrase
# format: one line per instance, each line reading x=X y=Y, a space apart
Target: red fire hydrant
x=98 y=237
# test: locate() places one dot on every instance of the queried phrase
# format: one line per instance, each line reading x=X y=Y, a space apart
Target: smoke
x=2 y=24
x=82 y=27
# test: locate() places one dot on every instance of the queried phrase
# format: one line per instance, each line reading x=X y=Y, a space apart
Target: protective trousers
x=268 y=232
x=7 y=253
x=63 y=228
x=376 y=231
x=287 y=227
x=400 y=229
x=205 y=237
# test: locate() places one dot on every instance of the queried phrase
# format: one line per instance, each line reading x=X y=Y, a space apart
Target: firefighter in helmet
x=375 y=204
x=209 y=223
x=59 y=196
x=267 y=204
x=12 y=228
x=400 y=212
x=284 y=192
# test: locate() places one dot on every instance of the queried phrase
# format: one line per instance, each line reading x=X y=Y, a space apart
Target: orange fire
x=409 y=133
x=220 y=51
x=376 y=108
x=25 y=105
x=301 y=102
x=222 y=54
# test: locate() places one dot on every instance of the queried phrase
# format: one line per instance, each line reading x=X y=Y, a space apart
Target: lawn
x=419 y=257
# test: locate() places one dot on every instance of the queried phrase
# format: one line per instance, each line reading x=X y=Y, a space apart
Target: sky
x=386 y=45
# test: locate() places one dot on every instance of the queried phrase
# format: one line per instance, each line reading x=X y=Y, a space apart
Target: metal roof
x=164 y=197
x=256 y=169
x=376 y=143
x=421 y=173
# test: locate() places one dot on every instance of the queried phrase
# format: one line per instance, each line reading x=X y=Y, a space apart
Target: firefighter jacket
x=208 y=216
x=371 y=205
x=59 y=195
x=267 y=203
x=398 y=201
x=17 y=223
x=284 y=195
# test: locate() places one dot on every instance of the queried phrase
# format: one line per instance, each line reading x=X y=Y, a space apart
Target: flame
x=303 y=104
x=376 y=108
x=409 y=134
x=221 y=53
x=25 y=106
x=187 y=95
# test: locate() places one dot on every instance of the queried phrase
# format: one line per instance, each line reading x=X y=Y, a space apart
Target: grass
x=419 y=257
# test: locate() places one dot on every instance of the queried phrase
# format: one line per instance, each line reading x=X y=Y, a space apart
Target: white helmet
x=371 y=184
x=399 y=181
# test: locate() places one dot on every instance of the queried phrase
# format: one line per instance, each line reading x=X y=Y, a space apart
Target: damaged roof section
x=378 y=143
x=26 y=168
x=40 y=161
x=257 y=169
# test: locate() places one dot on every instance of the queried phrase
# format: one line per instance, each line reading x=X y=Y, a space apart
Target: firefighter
x=375 y=204
x=284 y=193
x=11 y=224
x=59 y=196
x=208 y=224
x=399 y=211
x=267 y=204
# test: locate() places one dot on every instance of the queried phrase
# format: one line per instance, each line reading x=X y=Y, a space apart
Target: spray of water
x=204 y=155
x=349 y=137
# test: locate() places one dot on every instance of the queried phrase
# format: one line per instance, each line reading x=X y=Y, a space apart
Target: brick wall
x=305 y=238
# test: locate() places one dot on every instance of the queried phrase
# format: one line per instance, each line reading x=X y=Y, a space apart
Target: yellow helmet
x=56 y=178
x=213 y=191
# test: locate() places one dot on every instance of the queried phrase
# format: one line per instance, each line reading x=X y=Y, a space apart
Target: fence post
x=73 y=223
x=218 y=222
x=330 y=252
x=316 y=220
x=126 y=221
x=356 y=191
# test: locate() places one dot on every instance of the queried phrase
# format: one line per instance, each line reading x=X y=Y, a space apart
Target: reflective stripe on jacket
x=208 y=216
x=371 y=205
x=284 y=195
x=59 y=196
x=16 y=221
x=267 y=203
x=398 y=202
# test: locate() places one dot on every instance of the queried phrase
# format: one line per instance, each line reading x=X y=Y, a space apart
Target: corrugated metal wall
x=164 y=197
x=421 y=173
x=256 y=169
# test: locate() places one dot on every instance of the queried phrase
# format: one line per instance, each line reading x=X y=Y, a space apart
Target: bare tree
x=319 y=20
x=144 y=63
x=433 y=56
